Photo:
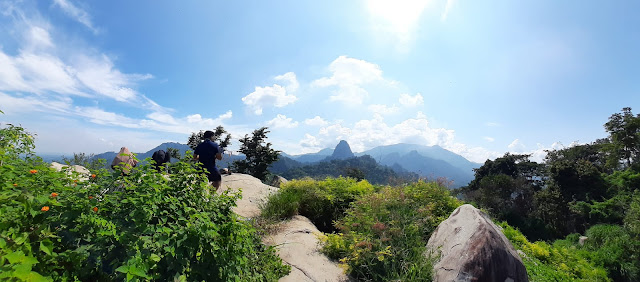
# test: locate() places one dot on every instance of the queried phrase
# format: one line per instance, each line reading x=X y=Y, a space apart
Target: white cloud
x=291 y=78
x=492 y=124
x=40 y=68
x=76 y=13
x=316 y=121
x=281 y=121
x=384 y=109
x=349 y=74
x=99 y=75
x=489 y=139
x=275 y=95
x=411 y=101
x=516 y=146
x=350 y=71
x=366 y=134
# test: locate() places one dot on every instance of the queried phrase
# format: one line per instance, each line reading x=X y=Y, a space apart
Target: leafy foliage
x=110 y=227
x=90 y=161
x=557 y=262
x=197 y=137
x=364 y=167
x=258 y=154
x=323 y=202
x=384 y=234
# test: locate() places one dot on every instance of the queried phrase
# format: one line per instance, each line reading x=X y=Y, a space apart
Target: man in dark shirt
x=207 y=153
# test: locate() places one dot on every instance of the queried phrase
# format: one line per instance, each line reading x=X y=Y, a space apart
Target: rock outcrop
x=473 y=248
x=254 y=193
x=296 y=240
x=82 y=172
x=342 y=151
x=278 y=180
x=297 y=244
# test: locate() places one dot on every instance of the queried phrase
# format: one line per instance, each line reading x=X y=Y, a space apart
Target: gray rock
x=278 y=180
x=472 y=248
x=82 y=172
x=582 y=240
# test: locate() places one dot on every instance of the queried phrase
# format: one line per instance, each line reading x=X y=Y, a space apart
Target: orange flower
x=45 y=208
x=54 y=194
x=93 y=176
x=90 y=197
x=75 y=181
x=95 y=209
x=15 y=184
x=33 y=171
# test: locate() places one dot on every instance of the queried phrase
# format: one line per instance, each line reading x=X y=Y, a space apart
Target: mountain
x=342 y=151
x=365 y=166
x=427 y=161
x=427 y=167
x=313 y=157
x=434 y=152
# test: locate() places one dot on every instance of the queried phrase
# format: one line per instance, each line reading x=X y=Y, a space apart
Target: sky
x=479 y=78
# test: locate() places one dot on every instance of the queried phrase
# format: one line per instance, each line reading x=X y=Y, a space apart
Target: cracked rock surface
x=296 y=241
x=297 y=245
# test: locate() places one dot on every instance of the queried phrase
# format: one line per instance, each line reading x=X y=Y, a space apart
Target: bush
x=612 y=247
x=384 y=235
x=323 y=202
x=111 y=227
x=561 y=261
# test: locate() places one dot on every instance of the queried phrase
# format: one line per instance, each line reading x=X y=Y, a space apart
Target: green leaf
x=15 y=257
x=36 y=277
x=47 y=246
x=138 y=272
x=155 y=257
x=22 y=271
x=123 y=269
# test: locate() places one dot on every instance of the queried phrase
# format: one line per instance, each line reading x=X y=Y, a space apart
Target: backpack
x=160 y=157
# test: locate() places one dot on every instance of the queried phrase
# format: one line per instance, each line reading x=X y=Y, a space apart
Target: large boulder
x=297 y=244
x=254 y=193
x=472 y=248
x=82 y=172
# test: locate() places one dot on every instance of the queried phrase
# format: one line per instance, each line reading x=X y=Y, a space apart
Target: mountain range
x=426 y=161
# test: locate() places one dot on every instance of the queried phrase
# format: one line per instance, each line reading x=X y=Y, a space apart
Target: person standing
x=207 y=152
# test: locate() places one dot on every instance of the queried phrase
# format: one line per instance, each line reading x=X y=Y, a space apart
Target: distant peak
x=342 y=151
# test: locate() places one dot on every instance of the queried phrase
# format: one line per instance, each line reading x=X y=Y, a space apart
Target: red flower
x=15 y=184
x=90 y=197
x=45 y=208
x=33 y=171
x=93 y=176
x=54 y=194
x=95 y=209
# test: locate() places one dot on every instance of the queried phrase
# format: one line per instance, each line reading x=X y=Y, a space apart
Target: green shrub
x=111 y=227
x=384 y=234
x=323 y=202
x=561 y=261
x=612 y=247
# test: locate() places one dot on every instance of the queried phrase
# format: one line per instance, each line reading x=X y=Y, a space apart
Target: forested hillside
x=364 y=167
x=588 y=189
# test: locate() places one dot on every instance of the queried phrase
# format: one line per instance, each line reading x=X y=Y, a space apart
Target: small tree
x=174 y=153
x=258 y=154
x=196 y=138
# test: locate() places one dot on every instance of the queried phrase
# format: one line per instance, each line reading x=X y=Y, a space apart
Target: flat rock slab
x=254 y=193
x=297 y=245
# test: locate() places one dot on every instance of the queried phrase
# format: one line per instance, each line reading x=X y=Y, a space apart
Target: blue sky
x=479 y=78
